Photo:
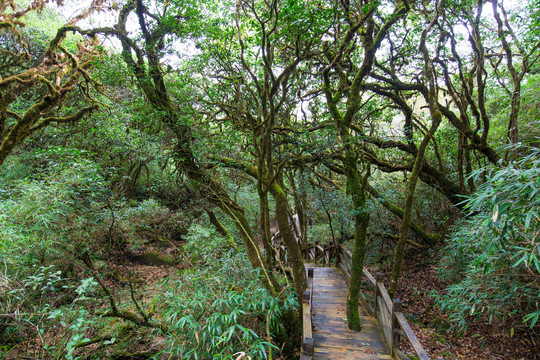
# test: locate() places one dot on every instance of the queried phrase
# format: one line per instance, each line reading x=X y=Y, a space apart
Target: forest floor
x=480 y=341
x=145 y=269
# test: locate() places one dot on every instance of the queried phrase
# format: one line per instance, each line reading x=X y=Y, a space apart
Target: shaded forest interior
x=154 y=154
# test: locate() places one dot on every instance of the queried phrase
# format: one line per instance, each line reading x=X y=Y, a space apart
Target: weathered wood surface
x=391 y=322
x=333 y=340
x=307 y=342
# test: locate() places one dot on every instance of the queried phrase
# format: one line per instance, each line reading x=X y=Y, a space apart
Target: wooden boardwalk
x=332 y=338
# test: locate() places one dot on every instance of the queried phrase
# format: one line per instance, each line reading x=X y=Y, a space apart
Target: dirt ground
x=479 y=342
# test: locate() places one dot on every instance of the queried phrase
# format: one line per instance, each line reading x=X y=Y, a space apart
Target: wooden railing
x=308 y=345
x=392 y=323
x=391 y=320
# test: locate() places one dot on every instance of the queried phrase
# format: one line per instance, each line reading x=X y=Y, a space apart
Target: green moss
x=154 y=258
x=439 y=338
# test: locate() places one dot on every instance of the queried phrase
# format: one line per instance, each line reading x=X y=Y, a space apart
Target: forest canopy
x=155 y=156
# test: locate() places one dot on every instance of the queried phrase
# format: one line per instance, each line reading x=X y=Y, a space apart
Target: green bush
x=493 y=256
x=220 y=309
x=37 y=215
x=65 y=209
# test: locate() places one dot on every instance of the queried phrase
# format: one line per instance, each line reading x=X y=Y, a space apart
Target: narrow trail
x=332 y=338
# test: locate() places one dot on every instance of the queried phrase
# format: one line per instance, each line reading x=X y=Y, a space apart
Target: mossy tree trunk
x=259 y=105
x=47 y=86
x=356 y=186
x=282 y=218
x=264 y=229
x=344 y=100
x=142 y=58
x=300 y=203
x=436 y=118
x=287 y=234
x=220 y=228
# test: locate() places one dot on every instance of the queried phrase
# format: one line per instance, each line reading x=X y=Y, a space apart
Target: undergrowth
x=493 y=257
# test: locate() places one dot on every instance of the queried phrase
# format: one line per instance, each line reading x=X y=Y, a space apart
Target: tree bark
x=436 y=118
x=264 y=229
x=220 y=228
x=146 y=67
x=282 y=217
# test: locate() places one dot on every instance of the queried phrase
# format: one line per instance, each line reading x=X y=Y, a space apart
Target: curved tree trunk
x=287 y=234
x=220 y=228
x=407 y=211
x=300 y=202
x=436 y=118
x=356 y=186
x=146 y=68
x=252 y=249
x=264 y=229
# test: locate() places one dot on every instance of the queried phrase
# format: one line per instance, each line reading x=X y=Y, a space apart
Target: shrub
x=493 y=256
x=219 y=308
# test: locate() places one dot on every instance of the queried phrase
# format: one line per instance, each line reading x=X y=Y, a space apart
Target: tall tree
x=467 y=66
x=436 y=118
x=35 y=87
x=273 y=41
x=344 y=100
x=143 y=54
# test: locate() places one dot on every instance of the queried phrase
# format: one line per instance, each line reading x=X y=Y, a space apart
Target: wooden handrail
x=308 y=344
x=410 y=336
x=392 y=322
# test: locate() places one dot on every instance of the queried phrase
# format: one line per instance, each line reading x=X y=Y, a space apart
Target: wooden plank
x=348 y=259
x=366 y=304
x=327 y=302
x=308 y=343
x=370 y=277
x=307 y=327
x=383 y=316
x=325 y=353
x=323 y=319
x=327 y=255
x=385 y=296
x=308 y=347
x=409 y=334
x=332 y=337
x=345 y=271
x=333 y=340
x=398 y=354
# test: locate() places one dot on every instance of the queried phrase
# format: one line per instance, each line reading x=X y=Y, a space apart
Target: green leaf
x=528 y=220
x=533 y=318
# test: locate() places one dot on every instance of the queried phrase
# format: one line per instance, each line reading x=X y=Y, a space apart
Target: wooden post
x=379 y=279
x=329 y=252
x=306 y=309
x=306 y=296
x=326 y=255
x=316 y=248
x=309 y=347
x=395 y=326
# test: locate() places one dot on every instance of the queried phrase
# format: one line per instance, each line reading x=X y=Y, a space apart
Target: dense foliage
x=493 y=255
x=152 y=155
